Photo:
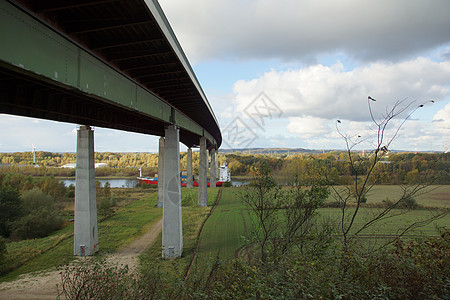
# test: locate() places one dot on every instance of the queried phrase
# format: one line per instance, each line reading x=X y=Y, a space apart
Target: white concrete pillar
x=189 y=180
x=85 y=227
x=161 y=172
x=217 y=164
x=213 y=168
x=202 y=176
x=172 y=232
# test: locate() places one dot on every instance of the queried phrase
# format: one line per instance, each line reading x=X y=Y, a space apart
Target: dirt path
x=42 y=285
x=129 y=254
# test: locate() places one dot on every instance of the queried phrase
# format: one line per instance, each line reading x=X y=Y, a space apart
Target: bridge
x=114 y=64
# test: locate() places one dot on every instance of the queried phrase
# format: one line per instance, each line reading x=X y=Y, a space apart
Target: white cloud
x=308 y=126
x=45 y=135
x=61 y=137
x=441 y=120
x=294 y=29
x=331 y=93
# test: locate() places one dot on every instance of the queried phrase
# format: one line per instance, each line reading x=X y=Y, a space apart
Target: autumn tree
x=363 y=169
x=282 y=218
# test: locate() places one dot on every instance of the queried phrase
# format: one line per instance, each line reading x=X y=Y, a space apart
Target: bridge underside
x=26 y=95
x=113 y=64
x=107 y=63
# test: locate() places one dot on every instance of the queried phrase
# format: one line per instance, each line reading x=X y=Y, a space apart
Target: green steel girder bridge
x=114 y=64
x=108 y=63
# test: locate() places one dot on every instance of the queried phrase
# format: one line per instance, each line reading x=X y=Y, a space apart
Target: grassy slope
x=136 y=212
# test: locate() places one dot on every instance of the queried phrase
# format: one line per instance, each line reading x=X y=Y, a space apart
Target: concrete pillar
x=161 y=172
x=217 y=165
x=213 y=168
x=202 y=176
x=85 y=230
x=172 y=232
x=189 y=180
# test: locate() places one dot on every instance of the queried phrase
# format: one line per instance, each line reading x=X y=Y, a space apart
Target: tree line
x=394 y=168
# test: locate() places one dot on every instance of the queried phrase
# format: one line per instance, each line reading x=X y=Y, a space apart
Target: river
x=131 y=183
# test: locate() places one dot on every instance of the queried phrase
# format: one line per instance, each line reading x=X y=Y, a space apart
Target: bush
x=3 y=250
x=11 y=209
x=410 y=270
x=35 y=199
x=37 y=224
x=40 y=219
x=227 y=184
x=406 y=203
x=105 y=207
x=410 y=203
x=90 y=279
x=70 y=192
x=146 y=186
x=422 y=266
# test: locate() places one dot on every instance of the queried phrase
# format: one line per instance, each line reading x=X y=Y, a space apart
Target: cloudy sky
x=279 y=73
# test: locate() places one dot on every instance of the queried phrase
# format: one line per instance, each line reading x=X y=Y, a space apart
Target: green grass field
x=223 y=231
x=389 y=226
x=434 y=196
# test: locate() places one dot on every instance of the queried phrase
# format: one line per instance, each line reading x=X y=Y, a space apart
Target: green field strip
x=431 y=196
x=389 y=226
x=222 y=234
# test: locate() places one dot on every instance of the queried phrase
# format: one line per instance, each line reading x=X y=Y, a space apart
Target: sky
x=280 y=73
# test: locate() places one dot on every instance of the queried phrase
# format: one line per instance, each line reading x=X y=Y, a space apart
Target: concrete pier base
x=161 y=172
x=85 y=227
x=189 y=180
x=172 y=232
x=213 y=168
x=202 y=176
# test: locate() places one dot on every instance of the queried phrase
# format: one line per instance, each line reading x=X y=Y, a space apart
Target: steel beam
x=61 y=63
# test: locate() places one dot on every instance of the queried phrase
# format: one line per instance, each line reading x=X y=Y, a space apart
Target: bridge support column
x=85 y=230
x=213 y=168
x=189 y=180
x=217 y=165
x=172 y=235
x=202 y=174
x=161 y=172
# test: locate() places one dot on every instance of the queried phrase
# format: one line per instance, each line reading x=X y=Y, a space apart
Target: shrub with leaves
x=417 y=269
x=94 y=279
x=282 y=218
x=11 y=209
x=3 y=250
x=40 y=219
